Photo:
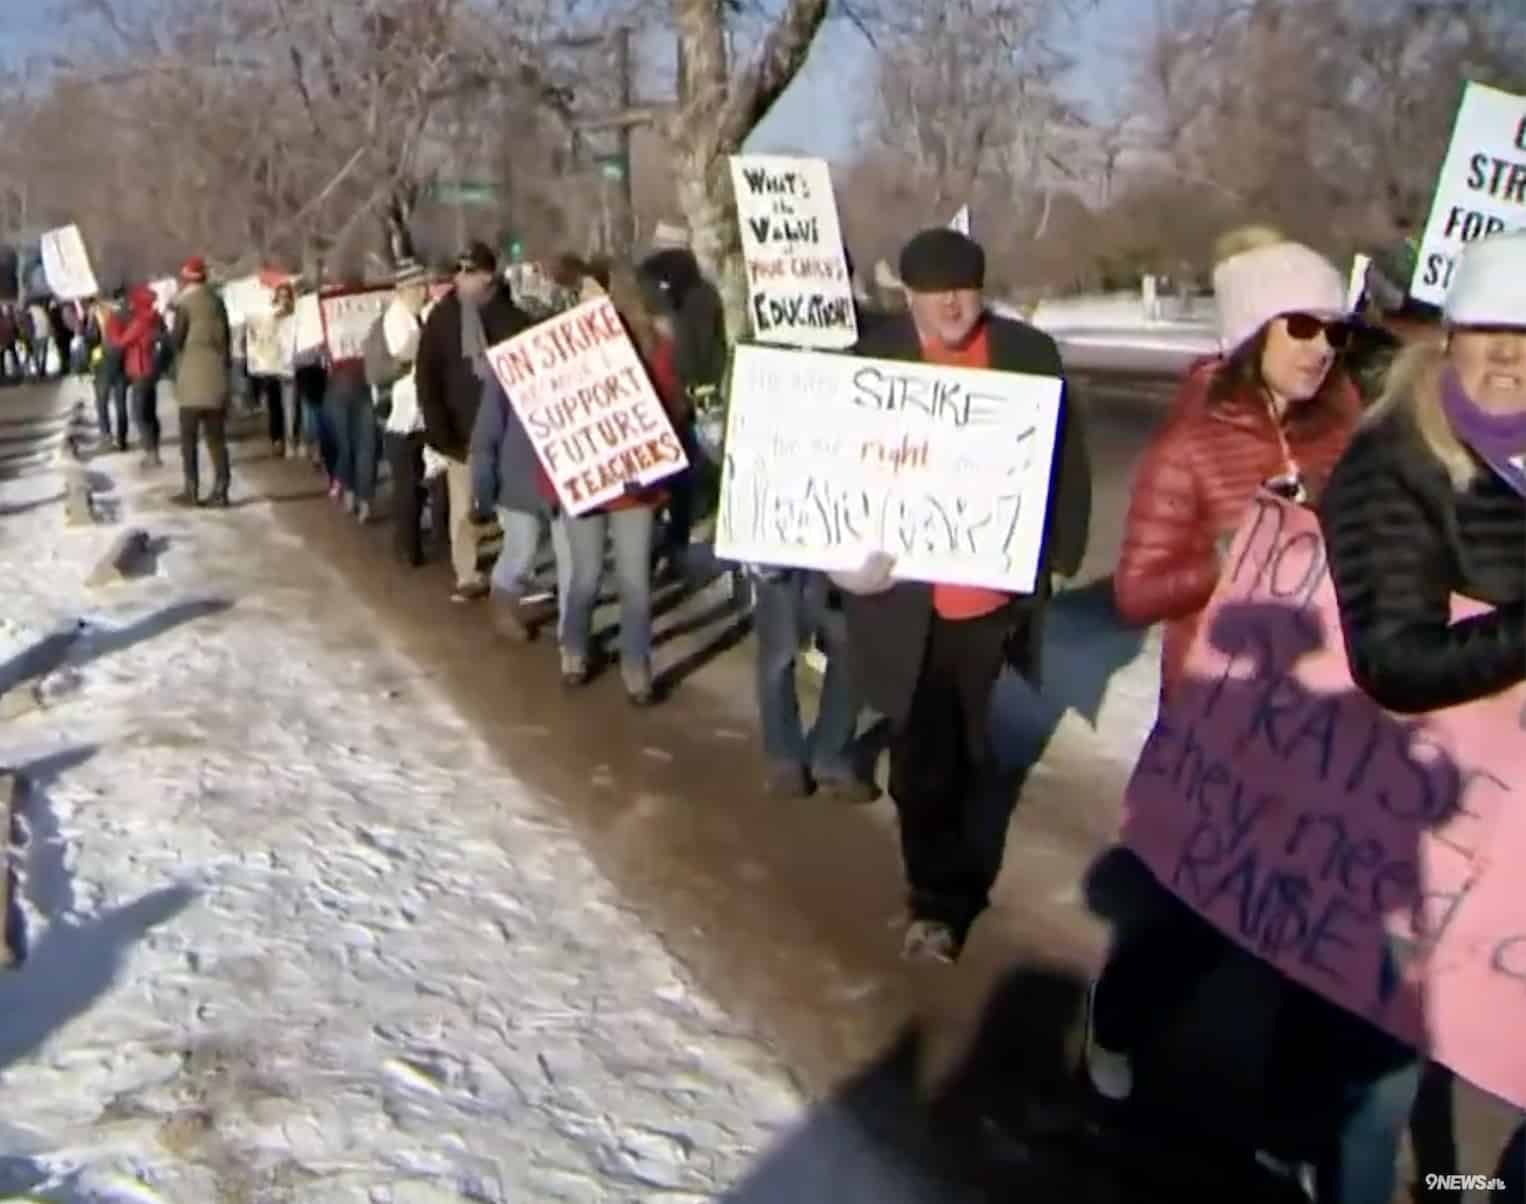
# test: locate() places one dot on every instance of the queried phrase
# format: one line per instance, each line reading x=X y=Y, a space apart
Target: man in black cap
x=450 y=371
x=927 y=655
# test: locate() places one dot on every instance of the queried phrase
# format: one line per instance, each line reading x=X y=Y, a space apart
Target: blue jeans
x=514 y=572
x=1365 y=1165
x=356 y=435
x=789 y=610
x=111 y=395
x=579 y=544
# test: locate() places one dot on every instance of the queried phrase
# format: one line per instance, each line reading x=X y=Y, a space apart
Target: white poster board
x=1481 y=189
x=798 y=288
x=1357 y=284
x=247 y=297
x=831 y=457
x=584 y=397
x=961 y=221
x=309 y=319
x=66 y=264
x=348 y=317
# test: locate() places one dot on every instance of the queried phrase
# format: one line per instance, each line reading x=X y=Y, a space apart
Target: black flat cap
x=940 y=260
x=477 y=257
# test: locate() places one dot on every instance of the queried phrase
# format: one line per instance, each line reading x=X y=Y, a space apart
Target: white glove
x=872 y=577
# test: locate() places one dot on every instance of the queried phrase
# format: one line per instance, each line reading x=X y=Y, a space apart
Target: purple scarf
x=1499 y=439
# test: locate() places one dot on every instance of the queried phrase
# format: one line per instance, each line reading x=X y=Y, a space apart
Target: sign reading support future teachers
x=1482 y=187
x=798 y=287
x=583 y=395
x=830 y=457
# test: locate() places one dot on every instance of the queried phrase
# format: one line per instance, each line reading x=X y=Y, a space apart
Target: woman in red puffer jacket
x=138 y=338
x=1275 y=409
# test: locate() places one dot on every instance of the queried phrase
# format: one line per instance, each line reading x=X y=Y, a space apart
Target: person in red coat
x=138 y=337
x=1275 y=409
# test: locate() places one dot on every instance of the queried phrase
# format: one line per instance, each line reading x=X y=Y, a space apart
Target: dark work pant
x=214 y=425
x=270 y=391
x=1154 y=969
x=943 y=774
x=145 y=412
x=111 y=395
x=405 y=453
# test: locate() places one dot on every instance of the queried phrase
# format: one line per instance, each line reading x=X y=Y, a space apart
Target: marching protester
x=626 y=524
x=450 y=372
x=391 y=349
x=1275 y=408
x=351 y=420
x=271 y=343
x=110 y=378
x=927 y=655
x=310 y=377
x=202 y=382
x=1429 y=502
x=140 y=338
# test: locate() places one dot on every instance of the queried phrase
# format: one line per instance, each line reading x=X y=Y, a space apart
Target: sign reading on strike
x=831 y=457
x=1373 y=858
x=798 y=287
x=347 y=318
x=583 y=395
x=1481 y=189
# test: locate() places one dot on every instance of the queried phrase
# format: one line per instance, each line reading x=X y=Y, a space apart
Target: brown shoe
x=472 y=591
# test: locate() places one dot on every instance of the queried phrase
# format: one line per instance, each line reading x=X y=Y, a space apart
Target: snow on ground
x=295 y=935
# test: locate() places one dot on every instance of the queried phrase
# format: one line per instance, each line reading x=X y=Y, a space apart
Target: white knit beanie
x=1256 y=286
x=1489 y=283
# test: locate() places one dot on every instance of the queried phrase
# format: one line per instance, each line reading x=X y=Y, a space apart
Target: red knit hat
x=194 y=270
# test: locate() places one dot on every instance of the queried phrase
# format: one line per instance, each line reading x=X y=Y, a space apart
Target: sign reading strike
x=66 y=264
x=798 y=287
x=1373 y=858
x=593 y=417
x=347 y=318
x=829 y=458
x=1482 y=187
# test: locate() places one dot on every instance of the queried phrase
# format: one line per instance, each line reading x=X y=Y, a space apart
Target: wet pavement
x=935 y=1083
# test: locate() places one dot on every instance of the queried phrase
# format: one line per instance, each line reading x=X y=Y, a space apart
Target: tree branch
x=754 y=92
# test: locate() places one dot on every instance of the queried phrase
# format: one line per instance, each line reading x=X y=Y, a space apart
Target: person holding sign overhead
x=1429 y=502
x=927 y=655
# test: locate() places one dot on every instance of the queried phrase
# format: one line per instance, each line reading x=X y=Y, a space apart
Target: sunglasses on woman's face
x=1304 y=327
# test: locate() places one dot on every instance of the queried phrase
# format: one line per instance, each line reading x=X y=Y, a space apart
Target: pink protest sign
x=1375 y=858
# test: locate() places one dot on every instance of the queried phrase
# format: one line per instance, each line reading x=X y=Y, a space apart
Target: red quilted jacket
x=1197 y=477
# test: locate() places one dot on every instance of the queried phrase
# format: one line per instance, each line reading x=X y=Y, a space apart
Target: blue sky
x=824 y=107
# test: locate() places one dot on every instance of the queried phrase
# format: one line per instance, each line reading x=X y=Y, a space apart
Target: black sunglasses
x=1304 y=327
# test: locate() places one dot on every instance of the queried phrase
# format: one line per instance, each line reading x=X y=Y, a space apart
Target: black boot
x=218 y=498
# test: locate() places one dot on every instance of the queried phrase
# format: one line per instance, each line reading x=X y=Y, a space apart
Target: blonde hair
x=1246 y=238
x=1413 y=386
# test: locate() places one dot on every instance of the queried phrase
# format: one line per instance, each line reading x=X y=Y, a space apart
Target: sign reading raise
x=799 y=290
x=582 y=392
x=830 y=457
x=1372 y=858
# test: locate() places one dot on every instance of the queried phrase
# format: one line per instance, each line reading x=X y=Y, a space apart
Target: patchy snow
x=294 y=934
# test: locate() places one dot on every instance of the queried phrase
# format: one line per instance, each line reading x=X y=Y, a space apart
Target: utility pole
x=623 y=213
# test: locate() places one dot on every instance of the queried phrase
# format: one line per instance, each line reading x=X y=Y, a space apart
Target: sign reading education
x=583 y=395
x=1373 y=858
x=798 y=287
x=66 y=265
x=348 y=316
x=1481 y=189
x=829 y=458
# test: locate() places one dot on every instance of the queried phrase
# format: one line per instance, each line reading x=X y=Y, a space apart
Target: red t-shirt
x=957 y=602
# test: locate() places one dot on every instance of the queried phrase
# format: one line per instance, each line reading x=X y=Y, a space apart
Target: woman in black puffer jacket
x=1430 y=501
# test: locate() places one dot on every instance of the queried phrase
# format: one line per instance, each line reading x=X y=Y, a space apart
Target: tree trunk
x=717 y=109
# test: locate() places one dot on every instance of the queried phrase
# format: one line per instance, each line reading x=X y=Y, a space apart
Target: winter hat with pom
x=1269 y=280
x=1489 y=285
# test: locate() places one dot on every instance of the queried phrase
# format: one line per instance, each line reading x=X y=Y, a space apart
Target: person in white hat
x=1430 y=501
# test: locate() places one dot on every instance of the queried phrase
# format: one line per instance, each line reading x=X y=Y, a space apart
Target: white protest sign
x=584 y=397
x=309 y=322
x=246 y=298
x=66 y=264
x=164 y=292
x=961 y=221
x=1357 y=285
x=1481 y=189
x=831 y=457
x=348 y=317
x=799 y=291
